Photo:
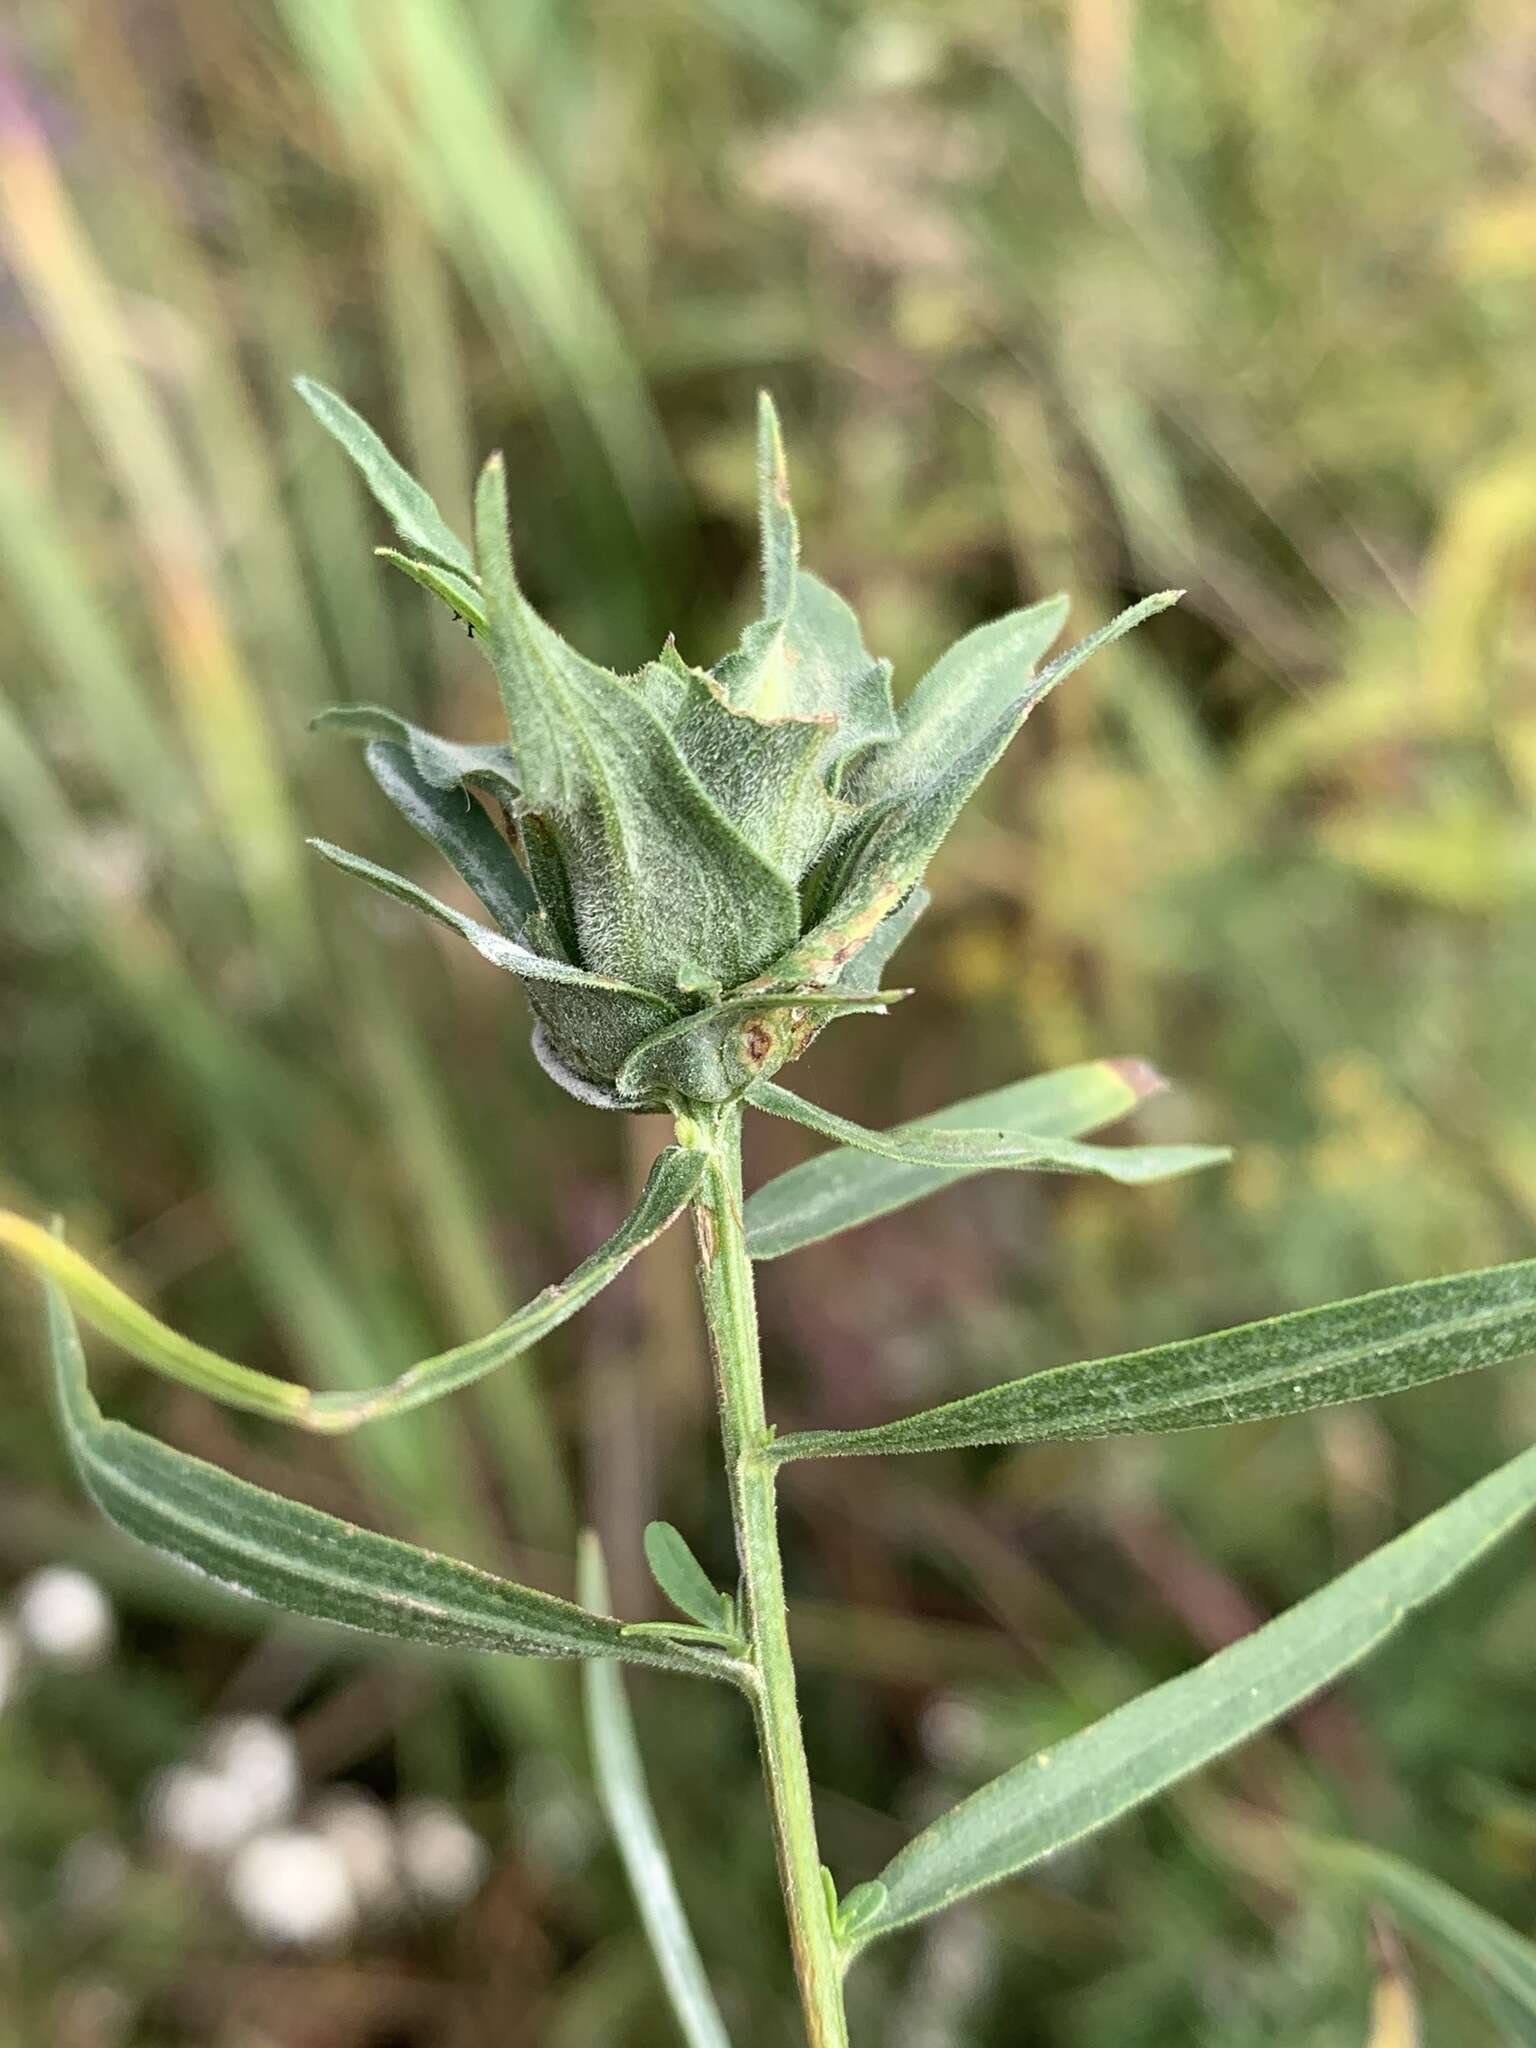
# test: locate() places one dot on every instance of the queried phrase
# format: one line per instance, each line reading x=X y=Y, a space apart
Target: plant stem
x=730 y=1309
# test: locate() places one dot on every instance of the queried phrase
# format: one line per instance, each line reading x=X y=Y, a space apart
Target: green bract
x=697 y=869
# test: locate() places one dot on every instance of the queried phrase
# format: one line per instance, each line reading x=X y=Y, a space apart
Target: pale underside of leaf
x=312 y=1564
x=1373 y=1345
x=1060 y=1795
x=839 y=1190
x=626 y=1800
x=446 y=764
x=634 y=1010
x=461 y=831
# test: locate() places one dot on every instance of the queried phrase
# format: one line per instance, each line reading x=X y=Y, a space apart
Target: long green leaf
x=305 y=1562
x=672 y=1183
x=416 y=518
x=842 y=1189
x=980 y=1149
x=1349 y=1351
x=627 y=1802
x=1060 y=1795
x=1497 y=1965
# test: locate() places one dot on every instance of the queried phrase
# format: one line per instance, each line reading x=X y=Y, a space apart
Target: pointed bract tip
x=1139 y=1075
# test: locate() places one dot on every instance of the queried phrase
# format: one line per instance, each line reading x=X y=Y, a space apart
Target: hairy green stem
x=725 y=1282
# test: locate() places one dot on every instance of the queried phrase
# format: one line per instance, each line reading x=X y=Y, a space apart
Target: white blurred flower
x=291 y=1888
x=199 y=1812
x=442 y=1861
x=64 y=1617
x=259 y=1758
x=246 y=1779
x=359 y=1829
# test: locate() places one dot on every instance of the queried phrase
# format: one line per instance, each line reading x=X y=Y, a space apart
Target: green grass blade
x=681 y=1577
x=627 y=1802
x=840 y=1190
x=414 y=516
x=985 y=1148
x=1352 y=1350
x=305 y=1562
x=673 y=1181
x=1093 y=1778
x=1497 y=1965
x=117 y=1316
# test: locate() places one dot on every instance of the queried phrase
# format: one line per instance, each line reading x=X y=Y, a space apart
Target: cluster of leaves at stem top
x=695 y=869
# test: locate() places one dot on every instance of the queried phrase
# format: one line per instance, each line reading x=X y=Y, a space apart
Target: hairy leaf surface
x=1083 y=1784
x=980 y=1149
x=1348 y=1351
x=305 y=1562
x=415 y=516
x=660 y=880
x=842 y=1189
x=673 y=1181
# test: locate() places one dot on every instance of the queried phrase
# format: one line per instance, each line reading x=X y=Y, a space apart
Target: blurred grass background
x=1095 y=294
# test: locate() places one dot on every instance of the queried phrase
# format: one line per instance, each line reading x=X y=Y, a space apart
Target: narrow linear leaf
x=460 y=830
x=416 y=518
x=305 y=1562
x=966 y=691
x=1088 y=1781
x=680 y=1575
x=126 y=1322
x=673 y=1181
x=671 y=1185
x=1497 y=1965
x=457 y=592
x=978 y=1150
x=626 y=1800
x=842 y=1189
x=1353 y=1350
x=496 y=947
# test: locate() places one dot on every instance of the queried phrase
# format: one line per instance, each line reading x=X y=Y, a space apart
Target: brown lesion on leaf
x=823 y=954
x=758 y=1041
